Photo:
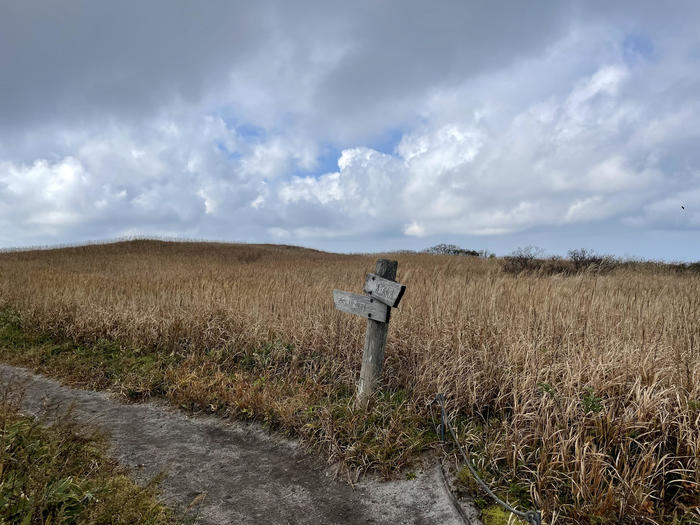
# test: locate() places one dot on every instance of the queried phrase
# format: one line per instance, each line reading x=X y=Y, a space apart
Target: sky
x=353 y=126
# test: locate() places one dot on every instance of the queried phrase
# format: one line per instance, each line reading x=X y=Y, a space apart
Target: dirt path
x=243 y=474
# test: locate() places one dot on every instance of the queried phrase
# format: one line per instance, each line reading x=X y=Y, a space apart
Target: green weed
x=60 y=475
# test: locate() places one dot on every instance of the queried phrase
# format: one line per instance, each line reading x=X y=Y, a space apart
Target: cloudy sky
x=353 y=126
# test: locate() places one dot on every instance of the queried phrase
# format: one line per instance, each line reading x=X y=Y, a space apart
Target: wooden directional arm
x=361 y=305
x=384 y=290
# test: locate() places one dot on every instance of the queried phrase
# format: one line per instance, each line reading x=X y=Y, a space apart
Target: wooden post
x=382 y=294
x=375 y=341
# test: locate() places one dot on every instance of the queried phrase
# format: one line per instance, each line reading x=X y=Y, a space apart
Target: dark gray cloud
x=78 y=60
x=71 y=61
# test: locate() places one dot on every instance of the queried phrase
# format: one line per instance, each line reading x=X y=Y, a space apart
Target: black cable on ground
x=531 y=516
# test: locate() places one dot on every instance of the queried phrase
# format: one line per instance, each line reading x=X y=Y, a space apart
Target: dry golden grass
x=586 y=386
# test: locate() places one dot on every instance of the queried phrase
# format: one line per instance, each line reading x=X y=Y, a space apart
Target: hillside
x=578 y=393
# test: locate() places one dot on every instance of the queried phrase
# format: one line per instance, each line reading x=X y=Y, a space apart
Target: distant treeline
x=531 y=259
x=453 y=249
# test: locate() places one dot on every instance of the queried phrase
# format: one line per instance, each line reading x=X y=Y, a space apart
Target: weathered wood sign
x=383 y=294
x=384 y=290
x=361 y=305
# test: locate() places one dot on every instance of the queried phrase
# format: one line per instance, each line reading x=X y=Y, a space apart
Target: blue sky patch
x=231 y=155
x=637 y=47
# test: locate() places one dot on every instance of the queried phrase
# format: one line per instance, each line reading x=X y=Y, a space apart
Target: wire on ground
x=533 y=517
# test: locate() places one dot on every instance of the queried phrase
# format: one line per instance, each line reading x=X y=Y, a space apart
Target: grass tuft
x=61 y=475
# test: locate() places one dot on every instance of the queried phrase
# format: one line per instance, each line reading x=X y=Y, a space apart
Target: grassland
x=580 y=393
x=62 y=475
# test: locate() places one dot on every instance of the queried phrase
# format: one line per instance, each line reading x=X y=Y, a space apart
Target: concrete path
x=237 y=472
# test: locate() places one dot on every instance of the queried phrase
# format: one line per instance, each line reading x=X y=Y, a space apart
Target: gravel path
x=236 y=472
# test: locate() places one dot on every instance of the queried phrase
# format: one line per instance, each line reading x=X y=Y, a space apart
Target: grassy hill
x=578 y=391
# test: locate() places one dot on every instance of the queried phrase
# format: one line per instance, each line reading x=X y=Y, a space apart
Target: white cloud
x=561 y=160
x=45 y=196
x=589 y=208
x=414 y=229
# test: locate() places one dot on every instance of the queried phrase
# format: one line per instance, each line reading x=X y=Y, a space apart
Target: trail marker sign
x=383 y=293
x=361 y=305
x=384 y=290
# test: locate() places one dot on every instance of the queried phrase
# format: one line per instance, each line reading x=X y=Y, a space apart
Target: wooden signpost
x=383 y=293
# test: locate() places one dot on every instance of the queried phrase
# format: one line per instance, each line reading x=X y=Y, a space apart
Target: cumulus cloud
x=363 y=124
x=566 y=158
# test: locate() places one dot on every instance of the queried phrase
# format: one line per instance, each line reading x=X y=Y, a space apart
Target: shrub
x=583 y=258
x=523 y=259
x=451 y=249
